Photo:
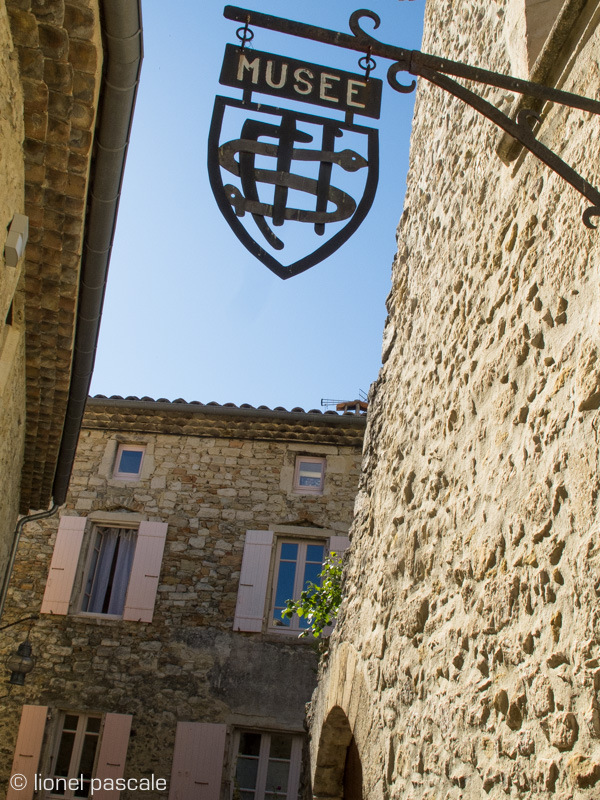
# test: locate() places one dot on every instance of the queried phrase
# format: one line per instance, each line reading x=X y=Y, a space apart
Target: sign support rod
x=436 y=70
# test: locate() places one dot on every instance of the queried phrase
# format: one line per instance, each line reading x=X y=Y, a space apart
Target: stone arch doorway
x=338 y=773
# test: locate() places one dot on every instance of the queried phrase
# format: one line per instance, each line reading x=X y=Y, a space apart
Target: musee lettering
x=297 y=80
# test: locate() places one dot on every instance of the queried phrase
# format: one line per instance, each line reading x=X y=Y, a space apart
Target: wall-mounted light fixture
x=18 y=233
x=20 y=664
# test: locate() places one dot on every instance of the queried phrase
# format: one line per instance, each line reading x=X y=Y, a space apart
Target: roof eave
x=123 y=52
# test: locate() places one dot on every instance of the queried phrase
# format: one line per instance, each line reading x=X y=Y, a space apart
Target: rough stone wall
x=60 y=57
x=12 y=433
x=188 y=664
x=12 y=361
x=467 y=657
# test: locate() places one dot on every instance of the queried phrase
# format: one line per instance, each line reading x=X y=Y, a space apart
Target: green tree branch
x=319 y=603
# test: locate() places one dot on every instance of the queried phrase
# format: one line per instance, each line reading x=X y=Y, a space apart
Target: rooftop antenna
x=358 y=406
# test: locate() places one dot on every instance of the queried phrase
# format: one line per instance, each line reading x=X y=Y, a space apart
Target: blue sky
x=189 y=312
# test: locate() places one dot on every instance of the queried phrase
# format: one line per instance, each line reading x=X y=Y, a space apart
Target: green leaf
x=319 y=603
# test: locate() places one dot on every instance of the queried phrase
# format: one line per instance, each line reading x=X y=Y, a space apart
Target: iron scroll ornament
x=436 y=70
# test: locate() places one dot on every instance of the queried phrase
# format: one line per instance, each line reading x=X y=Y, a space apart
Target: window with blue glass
x=298 y=563
x=128 y=464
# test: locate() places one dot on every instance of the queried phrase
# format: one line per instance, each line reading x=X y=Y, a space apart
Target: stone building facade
x=466 y=659
x=68 y=78
x=178 y=663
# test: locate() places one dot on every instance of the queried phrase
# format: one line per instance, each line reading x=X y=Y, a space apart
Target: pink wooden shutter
x=145 y=571
x=198 y=761
x=63 y=567
x=28 y=749
x=113 y=752
x=338 y=545
x=254 y=576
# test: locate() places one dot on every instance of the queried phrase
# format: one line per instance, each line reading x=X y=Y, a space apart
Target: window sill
x=278 y=634
x=91 y=615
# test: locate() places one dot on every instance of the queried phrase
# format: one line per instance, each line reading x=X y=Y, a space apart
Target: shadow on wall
x=338 y=772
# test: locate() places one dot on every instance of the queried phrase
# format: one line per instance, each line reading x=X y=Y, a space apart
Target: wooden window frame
x=316 y=490
x=86 y=561
x=128 y=448
x=74 y=769
x=303 y=544
x=263 y=761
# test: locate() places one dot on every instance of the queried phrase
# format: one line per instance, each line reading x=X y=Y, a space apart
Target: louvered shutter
x=145 y=571
x=338 y=545
x=113 y=752
x=28 y=749
x=63 y=567
x=254 y=577
x=198 y=761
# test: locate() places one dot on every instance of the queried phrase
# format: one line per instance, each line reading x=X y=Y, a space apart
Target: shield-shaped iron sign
x=267 y=179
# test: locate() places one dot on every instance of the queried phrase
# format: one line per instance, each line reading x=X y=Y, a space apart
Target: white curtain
x=112 y=572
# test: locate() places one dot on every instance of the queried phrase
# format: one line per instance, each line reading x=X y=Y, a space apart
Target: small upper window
x=128 y=464
x=309 y=476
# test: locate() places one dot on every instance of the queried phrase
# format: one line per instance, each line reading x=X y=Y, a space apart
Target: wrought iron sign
x=275 y=137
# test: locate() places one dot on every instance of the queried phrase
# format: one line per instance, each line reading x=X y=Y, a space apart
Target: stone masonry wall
x=188 y=664
x=60 y=57
x=12 y=358
x=467 y=657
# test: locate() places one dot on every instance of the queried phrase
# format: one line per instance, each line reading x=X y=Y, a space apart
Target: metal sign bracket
x=436 y=70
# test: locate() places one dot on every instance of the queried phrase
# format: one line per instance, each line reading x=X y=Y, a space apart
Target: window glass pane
x=281 y=745
x=92 y=572
x=289 y=551
x=310 y=468
x=279 y=621
x=311 y=573
x=246 y=772
x=130 y=461
x=285 y=583
x=70 y=722
x=88 y=754
x=303 y=623
x=277 y=777
x=107 y=585
x=83 y=790
x=314 y=552
x=310 y=474
x=60 y=786
x=93 y=725
x=65 y=750
x=249 y=743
